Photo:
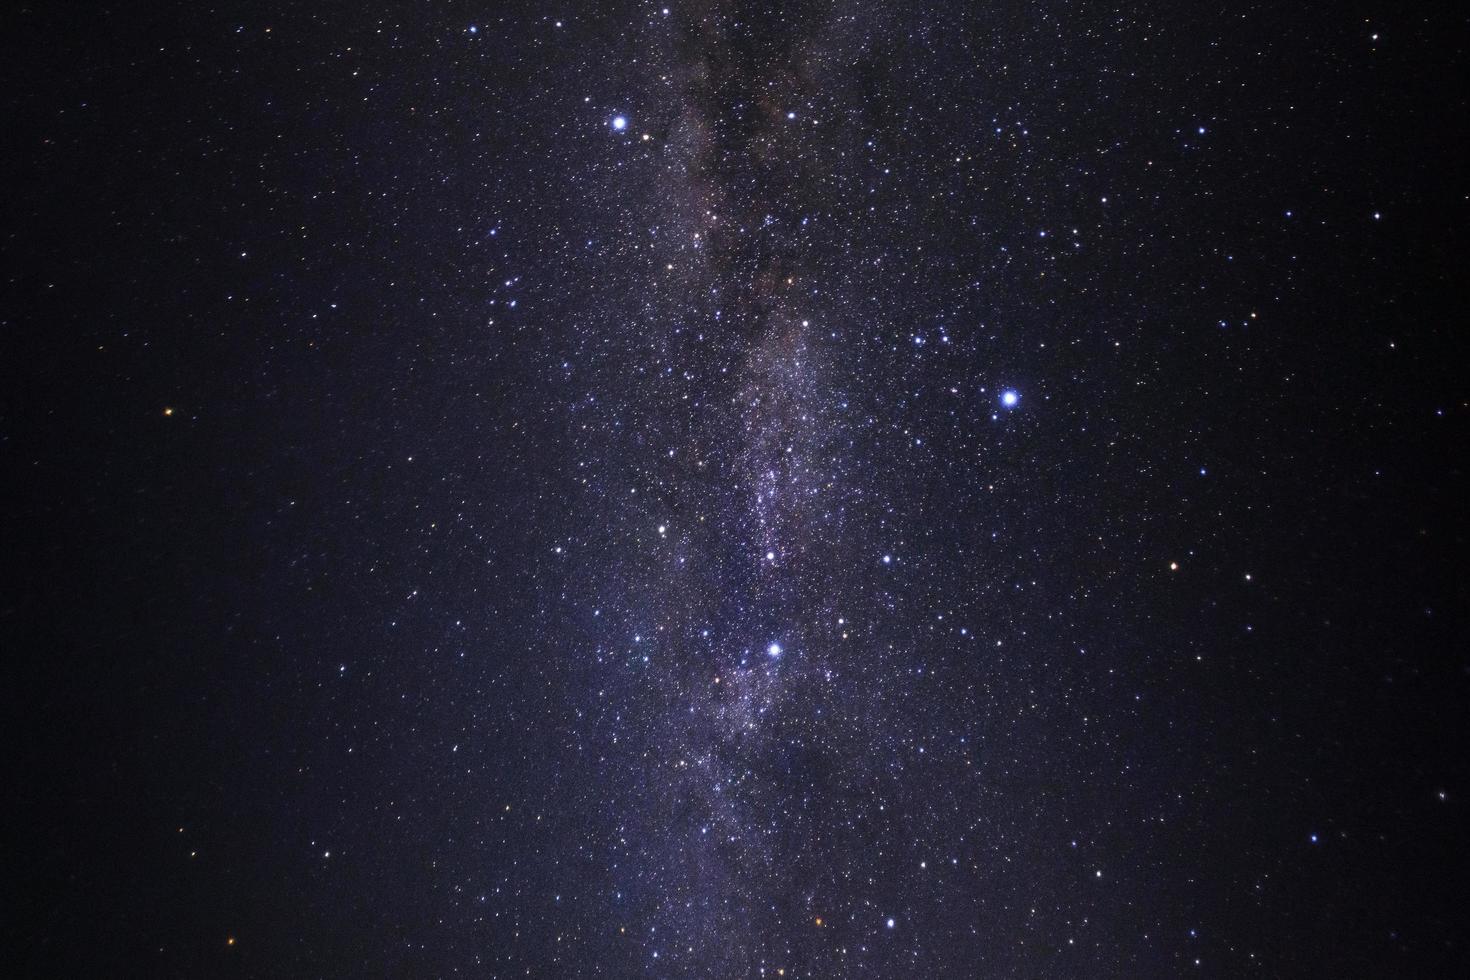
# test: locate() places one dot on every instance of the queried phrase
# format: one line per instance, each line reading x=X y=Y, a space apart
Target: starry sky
x=816 y=490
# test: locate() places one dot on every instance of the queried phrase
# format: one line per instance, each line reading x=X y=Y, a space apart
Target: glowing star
x=620 y=123
x=774 y=650
x=1010 y=398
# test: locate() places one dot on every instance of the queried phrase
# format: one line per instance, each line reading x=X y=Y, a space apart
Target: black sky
x=857 y=489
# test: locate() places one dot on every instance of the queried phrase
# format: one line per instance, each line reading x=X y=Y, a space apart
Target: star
x=1010 y=398
x=620 y=123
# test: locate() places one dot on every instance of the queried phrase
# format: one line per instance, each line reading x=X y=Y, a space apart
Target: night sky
x=845 y=490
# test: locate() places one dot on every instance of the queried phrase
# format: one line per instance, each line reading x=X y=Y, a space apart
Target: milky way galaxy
x=836 y=489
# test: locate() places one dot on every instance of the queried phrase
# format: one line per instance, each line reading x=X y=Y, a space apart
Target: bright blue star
x=1010 y=398
x=620 y=123
x=774 y=650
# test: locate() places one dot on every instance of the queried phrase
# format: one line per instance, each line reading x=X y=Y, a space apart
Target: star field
x=835 y=489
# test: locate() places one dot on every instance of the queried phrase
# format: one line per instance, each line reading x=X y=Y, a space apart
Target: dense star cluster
x=720 y=489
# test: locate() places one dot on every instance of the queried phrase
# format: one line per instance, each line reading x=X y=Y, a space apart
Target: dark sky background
x=860 y=489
